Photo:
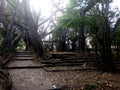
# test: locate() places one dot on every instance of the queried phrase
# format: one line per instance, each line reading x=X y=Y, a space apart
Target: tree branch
x=48 y=18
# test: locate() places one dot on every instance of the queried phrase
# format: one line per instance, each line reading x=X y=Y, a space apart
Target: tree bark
x=106 y=47
x=81 y=35
x=107 y=54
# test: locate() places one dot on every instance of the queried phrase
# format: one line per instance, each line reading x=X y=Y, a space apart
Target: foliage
x=21 y=45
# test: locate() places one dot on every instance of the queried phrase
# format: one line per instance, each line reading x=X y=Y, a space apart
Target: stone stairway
x=26 y=60
x=23 y=60
x=67 y=61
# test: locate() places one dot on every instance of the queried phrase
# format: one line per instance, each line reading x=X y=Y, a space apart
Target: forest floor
x=39 y=79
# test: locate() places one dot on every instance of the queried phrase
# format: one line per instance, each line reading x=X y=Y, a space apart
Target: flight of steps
x=26 y=60
x=72 y=60
x=23 y=55
x=23 y=60
x=67 y=61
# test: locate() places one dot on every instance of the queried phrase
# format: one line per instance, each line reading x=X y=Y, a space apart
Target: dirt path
x=27 y=79
x=38 y=79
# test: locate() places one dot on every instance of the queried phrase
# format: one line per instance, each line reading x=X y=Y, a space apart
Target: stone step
x=63 y=64
x=24 y=67
x=62 y=54
x=24 y=58
x=23 y=55
x=22 y=63
x=23 y=51
x=72 y=61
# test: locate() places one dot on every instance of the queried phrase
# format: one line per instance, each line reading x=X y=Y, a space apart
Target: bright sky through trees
x=116 y=4
x=46 y=5
x=43 y=5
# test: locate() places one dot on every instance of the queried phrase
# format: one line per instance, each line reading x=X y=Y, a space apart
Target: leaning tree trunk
x=6 y=44
x=81 y=43
x=36 y=42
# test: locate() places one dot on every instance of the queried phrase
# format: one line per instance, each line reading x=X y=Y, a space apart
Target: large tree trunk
x=62 y=45
x=81 y=43
x=36 y=42
x=107 y=53
x=104 y=40
x=106 y=47
x=81 y=39
x=62 y=41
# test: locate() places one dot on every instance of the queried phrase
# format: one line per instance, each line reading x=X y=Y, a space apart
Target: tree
x=103 y=33
x=96 y=17
x=24 y=23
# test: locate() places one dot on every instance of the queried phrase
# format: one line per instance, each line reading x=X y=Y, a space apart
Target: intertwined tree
x=21 y=22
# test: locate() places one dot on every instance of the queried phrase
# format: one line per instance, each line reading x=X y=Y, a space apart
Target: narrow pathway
x=29 y=79
x=26 y=79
